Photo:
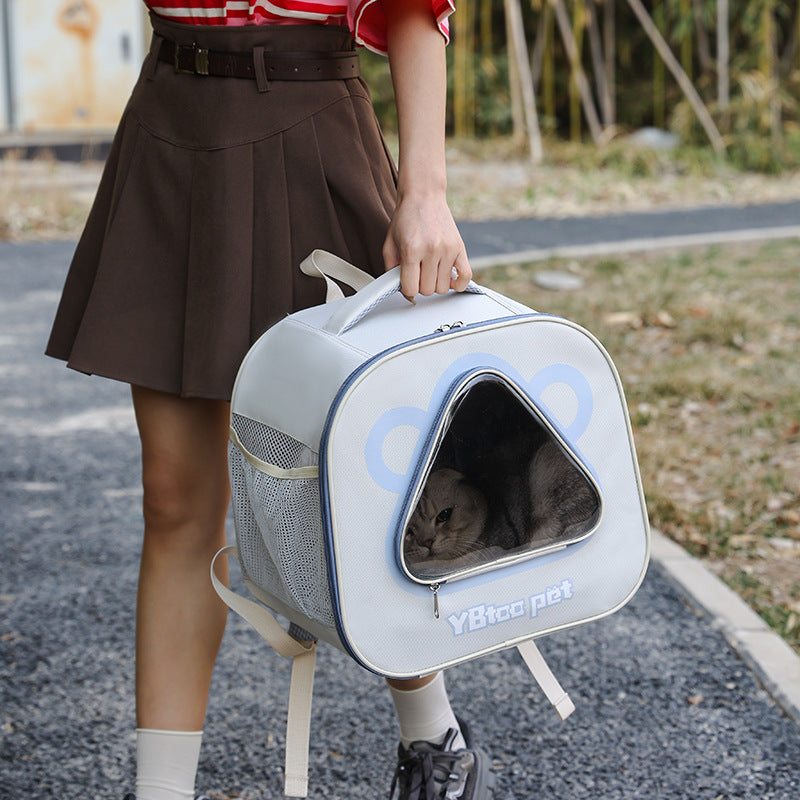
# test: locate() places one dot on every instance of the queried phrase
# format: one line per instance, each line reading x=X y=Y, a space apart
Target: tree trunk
x=680 y=76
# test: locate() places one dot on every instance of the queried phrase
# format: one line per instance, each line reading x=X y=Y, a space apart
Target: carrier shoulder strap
x=303 y=655
x=545 y=678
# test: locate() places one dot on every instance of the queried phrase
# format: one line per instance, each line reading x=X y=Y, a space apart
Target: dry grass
x=487 y=180
x=44 y=198
x=706 y=342
x=490 y=180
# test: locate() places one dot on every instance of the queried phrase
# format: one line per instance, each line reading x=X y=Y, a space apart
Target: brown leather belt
x=278 y=66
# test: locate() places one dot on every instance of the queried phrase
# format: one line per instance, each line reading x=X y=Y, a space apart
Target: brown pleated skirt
x=211 y=196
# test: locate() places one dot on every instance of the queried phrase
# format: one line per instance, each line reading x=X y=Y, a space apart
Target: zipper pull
x=449 y=326
x=434 y=587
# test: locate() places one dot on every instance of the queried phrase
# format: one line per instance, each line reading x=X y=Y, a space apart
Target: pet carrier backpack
x=354 y=424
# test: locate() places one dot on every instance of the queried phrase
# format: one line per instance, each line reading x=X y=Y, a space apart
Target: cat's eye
x=444 y=515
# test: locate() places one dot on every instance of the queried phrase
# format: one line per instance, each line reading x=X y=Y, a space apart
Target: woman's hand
x=422 y=238
x=424 y=241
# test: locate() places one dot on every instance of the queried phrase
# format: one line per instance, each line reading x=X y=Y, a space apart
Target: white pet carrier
x=341 y=414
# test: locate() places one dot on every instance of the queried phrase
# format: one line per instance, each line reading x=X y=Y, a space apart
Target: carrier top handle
x=322 y=264
x=358 y=306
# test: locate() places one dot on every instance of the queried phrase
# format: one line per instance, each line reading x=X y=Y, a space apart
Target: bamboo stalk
x=516 y=31
x=570 y=46
x=539 y=44
x=574 y=91
x=686 y=40
x=486 y=28
x=723 y=56
x=459 y=25
x=549 y=67
x=680 y=76
x=703 y=44
x=464 y=72
x=598 y=64
x=790 y=44
x=471 y=103
x=514 y=87
x=659 y=100
x=770 y=70
x=610 y=48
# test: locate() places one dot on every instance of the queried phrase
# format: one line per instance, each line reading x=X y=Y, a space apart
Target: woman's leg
x=180 y=620
x=423 y=710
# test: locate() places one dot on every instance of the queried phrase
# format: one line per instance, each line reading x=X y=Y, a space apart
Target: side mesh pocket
x=277 y=517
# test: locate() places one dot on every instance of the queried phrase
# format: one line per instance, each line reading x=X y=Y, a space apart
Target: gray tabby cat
x=455 y=524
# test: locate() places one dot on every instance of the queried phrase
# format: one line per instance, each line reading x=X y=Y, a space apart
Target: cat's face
x=448 y=520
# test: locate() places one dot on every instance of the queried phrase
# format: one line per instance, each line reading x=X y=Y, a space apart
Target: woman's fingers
x=463 y=272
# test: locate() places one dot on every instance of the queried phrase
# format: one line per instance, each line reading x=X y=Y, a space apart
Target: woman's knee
x=176 y=496
x=184 y=462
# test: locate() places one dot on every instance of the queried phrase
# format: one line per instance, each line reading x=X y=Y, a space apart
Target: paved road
x=665 y=709
x=528 y=239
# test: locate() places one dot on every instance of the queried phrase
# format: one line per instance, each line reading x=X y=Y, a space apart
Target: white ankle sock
x=425 y=714
x=166 y=764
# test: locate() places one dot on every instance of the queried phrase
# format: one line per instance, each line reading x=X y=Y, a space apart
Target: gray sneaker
x=429 y=771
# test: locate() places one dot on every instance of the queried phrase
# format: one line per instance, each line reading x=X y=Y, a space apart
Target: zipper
x=434 y=587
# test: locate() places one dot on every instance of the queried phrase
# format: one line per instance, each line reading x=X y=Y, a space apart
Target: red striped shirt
x=364 y=17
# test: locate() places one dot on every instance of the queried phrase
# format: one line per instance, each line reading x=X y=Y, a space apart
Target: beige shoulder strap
x=545 y=678
x=303 y=655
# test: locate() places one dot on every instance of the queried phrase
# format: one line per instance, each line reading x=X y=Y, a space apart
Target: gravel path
x=665 y=709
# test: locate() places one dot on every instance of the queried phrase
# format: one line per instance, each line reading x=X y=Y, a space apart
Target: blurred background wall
x=67 y=65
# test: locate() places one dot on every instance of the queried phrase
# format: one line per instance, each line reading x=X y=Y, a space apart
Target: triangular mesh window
x=500 y=485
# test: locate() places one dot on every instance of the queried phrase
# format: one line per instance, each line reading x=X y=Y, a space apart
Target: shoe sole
x=485 y=779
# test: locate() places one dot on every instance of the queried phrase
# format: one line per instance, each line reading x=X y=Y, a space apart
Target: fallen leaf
x=625 y=319
x=665 y=320
x=695 y=699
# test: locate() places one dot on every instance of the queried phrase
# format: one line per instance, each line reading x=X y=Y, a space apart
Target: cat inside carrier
x=499 y=485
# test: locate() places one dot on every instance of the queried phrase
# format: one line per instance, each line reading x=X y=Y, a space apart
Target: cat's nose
x=428 y=543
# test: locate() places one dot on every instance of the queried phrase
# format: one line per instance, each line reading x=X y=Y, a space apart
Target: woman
x=249 y=141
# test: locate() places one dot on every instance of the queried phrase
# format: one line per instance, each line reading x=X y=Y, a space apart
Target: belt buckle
x=198 y=59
